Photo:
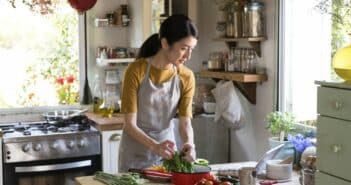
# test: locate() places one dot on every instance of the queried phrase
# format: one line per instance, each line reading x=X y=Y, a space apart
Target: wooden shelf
x=246 y=83
x=255 y=42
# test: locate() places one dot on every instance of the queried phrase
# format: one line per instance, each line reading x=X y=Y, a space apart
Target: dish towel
x=228 y=105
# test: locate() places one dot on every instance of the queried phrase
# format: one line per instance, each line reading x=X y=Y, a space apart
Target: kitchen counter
x=116 y=122
x=88 y=180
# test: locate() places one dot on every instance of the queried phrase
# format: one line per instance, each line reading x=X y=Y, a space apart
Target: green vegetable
x=178 y=164
x=202 y=162
x=124 y=179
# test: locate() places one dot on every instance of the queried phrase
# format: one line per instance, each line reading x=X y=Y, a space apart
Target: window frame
x=9 y=114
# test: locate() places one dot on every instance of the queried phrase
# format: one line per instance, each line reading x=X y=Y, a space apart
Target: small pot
x=179 y=178
x=215 y=65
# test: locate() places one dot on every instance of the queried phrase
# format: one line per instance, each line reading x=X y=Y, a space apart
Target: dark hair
x=174 y=28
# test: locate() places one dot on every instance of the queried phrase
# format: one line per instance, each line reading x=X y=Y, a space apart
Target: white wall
x=250 y=142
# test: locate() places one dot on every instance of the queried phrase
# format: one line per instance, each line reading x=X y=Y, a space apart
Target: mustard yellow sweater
x=134 y=75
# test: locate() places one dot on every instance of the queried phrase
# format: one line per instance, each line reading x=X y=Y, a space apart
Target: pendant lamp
x=82 y=5
x=342 y=63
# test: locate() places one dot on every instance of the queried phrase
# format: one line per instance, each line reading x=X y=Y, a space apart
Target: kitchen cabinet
x=333 y=133
x=245 y=82
x=110 y=145
x=111 y=133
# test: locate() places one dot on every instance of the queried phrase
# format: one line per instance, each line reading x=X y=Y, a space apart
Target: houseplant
x=280 y=124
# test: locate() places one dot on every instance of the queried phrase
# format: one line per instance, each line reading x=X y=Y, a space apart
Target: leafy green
x=124 y=179
x=178 y=164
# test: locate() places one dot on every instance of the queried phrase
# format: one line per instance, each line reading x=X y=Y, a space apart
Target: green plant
x=280 y=123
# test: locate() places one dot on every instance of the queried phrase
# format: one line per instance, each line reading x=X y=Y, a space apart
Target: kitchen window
x=310 y=33
x=39 y=53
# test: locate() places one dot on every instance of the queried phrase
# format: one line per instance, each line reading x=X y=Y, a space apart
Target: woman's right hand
x=164 y=149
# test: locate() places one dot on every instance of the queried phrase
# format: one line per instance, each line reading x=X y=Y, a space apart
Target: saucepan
x=62 y=115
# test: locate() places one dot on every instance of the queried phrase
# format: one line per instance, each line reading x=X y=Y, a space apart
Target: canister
x=254 y=24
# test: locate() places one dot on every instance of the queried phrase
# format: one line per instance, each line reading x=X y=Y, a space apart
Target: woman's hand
x=164 y=149
x=189 y=151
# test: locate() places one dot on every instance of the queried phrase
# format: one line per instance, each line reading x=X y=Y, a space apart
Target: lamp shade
x=342 y=63
x=82 y=5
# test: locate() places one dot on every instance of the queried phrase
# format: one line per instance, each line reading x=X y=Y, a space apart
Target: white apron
x=157 y=105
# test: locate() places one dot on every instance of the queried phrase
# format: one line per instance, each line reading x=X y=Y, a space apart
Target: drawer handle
x=337 y=105
x=115 y=137
x=336 y=148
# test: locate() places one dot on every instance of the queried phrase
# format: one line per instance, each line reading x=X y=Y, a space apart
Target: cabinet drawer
x=334 y=146
x=324 y=179
x=334 y=102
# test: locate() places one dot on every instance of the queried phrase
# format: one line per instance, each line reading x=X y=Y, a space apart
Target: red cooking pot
x=200 y=172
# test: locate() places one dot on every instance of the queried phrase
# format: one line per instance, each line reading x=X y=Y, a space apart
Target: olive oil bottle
x=97 y=94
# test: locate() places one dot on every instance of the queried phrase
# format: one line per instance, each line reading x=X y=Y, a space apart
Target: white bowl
x=274 y=170
x=209 y=107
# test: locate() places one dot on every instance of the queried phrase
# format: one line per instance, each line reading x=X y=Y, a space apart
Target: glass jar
x=254 y=25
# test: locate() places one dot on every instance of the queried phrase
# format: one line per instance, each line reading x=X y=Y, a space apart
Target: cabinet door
x=334 y=147
x=334 y=102
x=110 y=146
x=324 y=179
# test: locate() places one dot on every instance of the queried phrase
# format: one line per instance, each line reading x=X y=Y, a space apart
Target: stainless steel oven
x=49 y=153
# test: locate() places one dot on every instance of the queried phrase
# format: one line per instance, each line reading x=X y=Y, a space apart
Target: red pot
x=188 y=178
x=200 y=172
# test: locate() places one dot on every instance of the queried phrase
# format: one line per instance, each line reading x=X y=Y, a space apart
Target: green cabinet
x=333 y=134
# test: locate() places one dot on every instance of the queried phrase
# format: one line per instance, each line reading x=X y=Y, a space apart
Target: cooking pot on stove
x=61 y=115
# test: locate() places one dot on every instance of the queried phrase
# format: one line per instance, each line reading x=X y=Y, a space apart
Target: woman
x=156 y=87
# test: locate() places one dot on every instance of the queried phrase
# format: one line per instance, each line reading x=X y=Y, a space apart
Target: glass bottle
x=125 y=15
x=97 y=94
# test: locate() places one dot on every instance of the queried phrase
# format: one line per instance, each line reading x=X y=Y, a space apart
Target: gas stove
x=34 y=141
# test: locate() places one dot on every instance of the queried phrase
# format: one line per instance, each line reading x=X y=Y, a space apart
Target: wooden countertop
x=116 y=122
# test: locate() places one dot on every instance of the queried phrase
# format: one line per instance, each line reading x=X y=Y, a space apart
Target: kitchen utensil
x=215 y=65
x=270 y=182
x=60 y=115
x=247 y=176
x=278 y=171
x=179 y=178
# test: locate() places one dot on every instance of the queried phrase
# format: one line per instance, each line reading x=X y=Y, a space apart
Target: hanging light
x=82 y=5
x=342 y=63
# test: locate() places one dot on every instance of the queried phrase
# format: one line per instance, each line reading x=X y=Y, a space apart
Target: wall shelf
x=113 y=61
x=245 y=82
x=255 y=42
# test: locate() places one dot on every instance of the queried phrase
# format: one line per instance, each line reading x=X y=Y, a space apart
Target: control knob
x=54 y=145
x=70 y=144
x=37 y=147
x=81 y=143
x=25 y=147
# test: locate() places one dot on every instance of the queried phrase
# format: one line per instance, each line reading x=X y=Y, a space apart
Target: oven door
x=50 y=172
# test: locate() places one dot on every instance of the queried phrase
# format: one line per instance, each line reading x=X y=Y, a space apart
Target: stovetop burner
x=74 y=125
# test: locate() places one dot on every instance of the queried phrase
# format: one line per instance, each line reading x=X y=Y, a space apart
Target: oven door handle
x=52 y=167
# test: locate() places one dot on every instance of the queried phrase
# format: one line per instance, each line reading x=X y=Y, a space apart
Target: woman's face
x=180 y=51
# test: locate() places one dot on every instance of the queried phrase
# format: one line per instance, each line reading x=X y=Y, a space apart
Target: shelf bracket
x=248 y=90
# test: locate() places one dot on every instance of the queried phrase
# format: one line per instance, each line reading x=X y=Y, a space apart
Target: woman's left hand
x=189 y=151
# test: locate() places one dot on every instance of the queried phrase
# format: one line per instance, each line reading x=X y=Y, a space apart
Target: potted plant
x=280 y=124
